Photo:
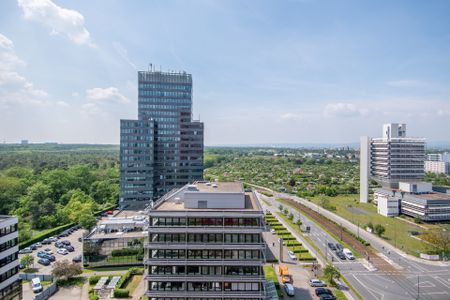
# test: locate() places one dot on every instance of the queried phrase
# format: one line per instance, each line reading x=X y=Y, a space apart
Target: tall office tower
x=10 y=284
x=163 y=149
x=205 y=242
x=390 y=159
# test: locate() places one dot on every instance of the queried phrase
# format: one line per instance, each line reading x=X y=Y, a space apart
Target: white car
x=48 y=251
x=62 y=251
x=36 y=285
x=317 y=283
x=292 y=255
x=289 y=289
x=272 y=231
x=348 y=254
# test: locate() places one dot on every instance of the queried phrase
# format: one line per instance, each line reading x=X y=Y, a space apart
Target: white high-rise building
x=390 y=159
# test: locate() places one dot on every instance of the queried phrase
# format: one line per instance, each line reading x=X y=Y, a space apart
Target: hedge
x=40 y=237
x=126 y=251
x=121 y=293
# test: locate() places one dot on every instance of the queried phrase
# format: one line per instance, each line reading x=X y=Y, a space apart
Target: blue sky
x=311 y=71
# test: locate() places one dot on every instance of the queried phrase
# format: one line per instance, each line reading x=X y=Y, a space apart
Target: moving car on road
x=289 y=289
x=317 y=283
x=341 y=255
x=339 y=247
x=348 y=254
x=332 y=246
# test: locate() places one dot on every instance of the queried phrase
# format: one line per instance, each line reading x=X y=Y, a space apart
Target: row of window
x=241 y=222
x=9 y=259
x=12 y=291
x=206 y=270
x=164 y=93
x=206 y=254
x=8 y=274
x=165 y=86
x=178 y=298
x=169 y=101
x=8 y=229
x=164 y=106
x=206 y=238
x=132 y=130
x=205 y=286
x=8 y=244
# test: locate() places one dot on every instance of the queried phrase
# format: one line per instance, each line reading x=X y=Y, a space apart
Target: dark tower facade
x=163 y=149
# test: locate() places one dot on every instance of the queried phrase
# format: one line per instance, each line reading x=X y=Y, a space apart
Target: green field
x=348 y=207
x=270 y=274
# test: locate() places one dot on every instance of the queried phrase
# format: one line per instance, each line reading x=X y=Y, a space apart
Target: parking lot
x=73 y=238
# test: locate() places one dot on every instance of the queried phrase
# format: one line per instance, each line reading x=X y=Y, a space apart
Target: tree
x=291 y=182
x=27 y=260
x=439 y=238
x=370 y=225
x=280 y=207
x=299 y=223
x=87 y=221
x=65 y=270
x=291 y=216
x=285 y=211
x=331 y=273
x=379 y=229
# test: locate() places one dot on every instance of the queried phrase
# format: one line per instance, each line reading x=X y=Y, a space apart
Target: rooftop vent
x=178 y=200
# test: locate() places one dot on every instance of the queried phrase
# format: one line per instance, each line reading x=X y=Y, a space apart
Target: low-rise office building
x=438 y=167
x=417 y=200
x=205 y=242
x=116 y=241
x=10 y=284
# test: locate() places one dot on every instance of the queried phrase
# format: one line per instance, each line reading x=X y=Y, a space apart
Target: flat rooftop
x=432 y=196
x=251 y=203
x=117 y=235
x=219 y=187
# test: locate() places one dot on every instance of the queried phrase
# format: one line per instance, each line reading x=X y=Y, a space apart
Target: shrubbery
x=127 y=251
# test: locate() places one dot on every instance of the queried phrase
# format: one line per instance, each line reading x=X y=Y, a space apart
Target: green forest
x=51 y=185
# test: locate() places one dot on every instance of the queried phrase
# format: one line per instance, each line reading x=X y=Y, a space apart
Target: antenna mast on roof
x=150 y=67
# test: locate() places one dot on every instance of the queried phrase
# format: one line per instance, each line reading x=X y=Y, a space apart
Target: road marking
x=426 y=284
x=372 y=292
x=439 y=279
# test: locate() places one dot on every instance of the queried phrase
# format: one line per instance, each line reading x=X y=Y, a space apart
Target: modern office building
x=438 y=163
x=10 y=284
x=205 y=242
x=417 y=200
x=390 y=159
x=117 y=241
x=163 y=148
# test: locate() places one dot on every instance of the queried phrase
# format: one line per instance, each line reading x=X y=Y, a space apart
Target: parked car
x=339 y=246
x=348 y=254
x=51 y=257
x=292 y=255
x=104 y=214
x=109 y=212
x=38 y=244
x=42 y=254
x=62 y=251
x=321 y=291
x=53 y=238
x=341 y=255
x=317 y=283
x=332 y=246
x=59 y=245
x=33 y=247
x=36 y=285
x=48 y=251
x=43 y=261
x=63 y=234
x=327 y=297
x=272 y=231
x=289 y=289
x=80 y=239
x=69 y=248
x=77 y=259
x=46 y=242
x=66 y=242
x=26 y=250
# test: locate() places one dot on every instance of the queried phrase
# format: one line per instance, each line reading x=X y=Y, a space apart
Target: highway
x=411 y=278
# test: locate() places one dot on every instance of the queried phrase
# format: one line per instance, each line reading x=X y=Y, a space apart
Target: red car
x=109 y=212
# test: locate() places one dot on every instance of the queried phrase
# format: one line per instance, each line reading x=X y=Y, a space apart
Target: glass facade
x=164 y=143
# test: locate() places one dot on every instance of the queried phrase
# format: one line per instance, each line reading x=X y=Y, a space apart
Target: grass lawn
x=266 y=202
x=133 y=283
x=129 y=258
x=270 y=274
x=75 y=281
x=348 y=207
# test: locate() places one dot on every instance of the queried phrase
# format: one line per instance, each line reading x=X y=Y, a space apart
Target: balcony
x=203 y=262
x=202 y=246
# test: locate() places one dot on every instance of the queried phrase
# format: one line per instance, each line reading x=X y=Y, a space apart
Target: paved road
x=434 y=280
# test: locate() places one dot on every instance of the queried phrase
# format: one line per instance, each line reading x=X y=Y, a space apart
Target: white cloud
x=15 y=88
x=123 y=53
x=443 y=112
x=110 y=94
x=60 y=20
x=291 y=116
x=344 y=110
x=62 y=104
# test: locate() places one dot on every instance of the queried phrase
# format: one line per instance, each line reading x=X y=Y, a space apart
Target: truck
x=283 y=271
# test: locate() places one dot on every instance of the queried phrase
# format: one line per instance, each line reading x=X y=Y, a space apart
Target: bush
x=126 y=251
x=94 y=279
x=121 y=293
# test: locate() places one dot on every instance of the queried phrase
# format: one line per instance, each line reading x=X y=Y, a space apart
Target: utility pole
x=418 y=288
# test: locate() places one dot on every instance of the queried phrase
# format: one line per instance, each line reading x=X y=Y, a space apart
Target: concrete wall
x=387 y=207
x=364 y=169
x=421 y=187
x=214 y=200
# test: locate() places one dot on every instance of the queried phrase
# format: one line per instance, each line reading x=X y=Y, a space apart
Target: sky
x=303 y=71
